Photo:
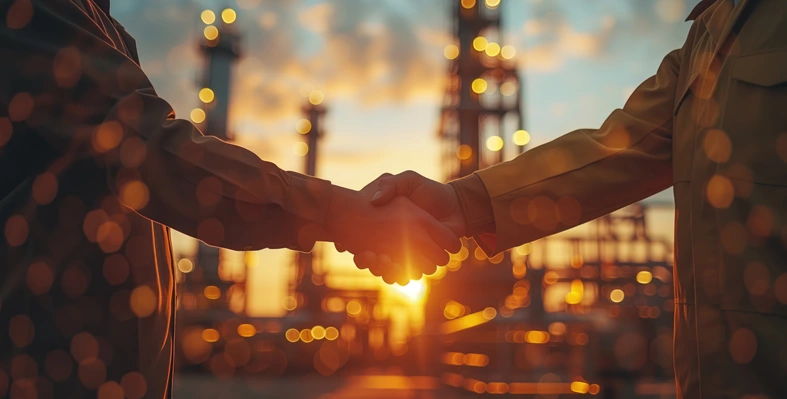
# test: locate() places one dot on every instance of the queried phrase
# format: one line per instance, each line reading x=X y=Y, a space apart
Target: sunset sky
x=380 y=64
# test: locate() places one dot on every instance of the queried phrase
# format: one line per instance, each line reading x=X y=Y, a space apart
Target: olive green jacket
x=712 y=124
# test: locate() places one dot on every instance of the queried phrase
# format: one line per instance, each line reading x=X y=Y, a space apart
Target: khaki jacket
x=93 y=168
x=712 y=124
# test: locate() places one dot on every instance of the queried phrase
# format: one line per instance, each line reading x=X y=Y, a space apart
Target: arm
x=85 y=103
x=93 y=104
x=569 y=181
x=580 y=176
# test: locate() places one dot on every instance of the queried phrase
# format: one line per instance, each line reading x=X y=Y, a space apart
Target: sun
x=413 y=291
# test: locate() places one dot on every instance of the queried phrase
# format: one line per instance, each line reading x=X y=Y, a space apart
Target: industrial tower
x=483 y=102
x=481 y=111
x=309 y=285
x=207 y=291
x=502 y=325
x=481 y=124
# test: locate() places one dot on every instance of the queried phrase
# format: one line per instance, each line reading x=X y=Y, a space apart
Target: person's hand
x=439 y=200
x=404 y=240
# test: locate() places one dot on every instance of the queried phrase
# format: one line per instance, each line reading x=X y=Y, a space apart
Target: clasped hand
x=399 y=227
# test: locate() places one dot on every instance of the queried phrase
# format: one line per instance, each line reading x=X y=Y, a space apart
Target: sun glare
x=413 y=291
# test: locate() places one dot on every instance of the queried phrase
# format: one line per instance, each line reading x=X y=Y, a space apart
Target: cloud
x=365 y=52
x=550 y=38
x=316 y=18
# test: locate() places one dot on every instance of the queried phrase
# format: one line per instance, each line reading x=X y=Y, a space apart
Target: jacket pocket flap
x=762 y=69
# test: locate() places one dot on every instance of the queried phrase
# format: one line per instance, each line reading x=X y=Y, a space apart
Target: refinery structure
x=567 y=315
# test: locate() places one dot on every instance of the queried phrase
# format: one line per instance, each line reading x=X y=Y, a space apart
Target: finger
x=428 y=251
x=415 y=273
x=422 y=265
x=403 y=278
x=389 y=278
x=339 y=247
x=404 y=183
x=365 y=260
x=373 y=183
x=386 y=191
x=382 y=266
x=444 y=237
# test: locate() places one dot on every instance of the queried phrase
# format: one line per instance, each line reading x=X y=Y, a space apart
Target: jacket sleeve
x=67 y=82
x=587 y=173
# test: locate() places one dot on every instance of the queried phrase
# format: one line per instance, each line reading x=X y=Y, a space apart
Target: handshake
x=400 y=227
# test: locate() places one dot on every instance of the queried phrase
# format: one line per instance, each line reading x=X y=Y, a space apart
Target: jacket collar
x=718 y=22
x=104 y=5
x=699 y=9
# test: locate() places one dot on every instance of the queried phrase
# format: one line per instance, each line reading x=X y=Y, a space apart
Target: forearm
x=582 y=175
x=109 y=115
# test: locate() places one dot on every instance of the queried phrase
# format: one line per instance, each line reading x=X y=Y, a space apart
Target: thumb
x=386 y=191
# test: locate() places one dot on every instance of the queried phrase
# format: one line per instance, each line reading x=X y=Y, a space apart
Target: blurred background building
x=346 y=90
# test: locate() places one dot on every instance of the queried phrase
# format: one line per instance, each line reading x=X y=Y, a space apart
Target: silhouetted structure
x=526 y=322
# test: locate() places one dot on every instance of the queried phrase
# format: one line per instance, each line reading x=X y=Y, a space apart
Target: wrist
x=336 y=214
x=475 y=205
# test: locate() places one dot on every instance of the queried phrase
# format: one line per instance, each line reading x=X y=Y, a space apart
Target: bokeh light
x=206 y=95
x=451 y=51
x=521 y=137
x=303 y=126
x=464 y=152
x=413 y=291
x=494 y=143
x=211 y=32
x=479 y=85
x=300 y=149
x=208 y=17
x=316 y=97
x=616 y=295
x=197 y=115
x=479 y=43
x=228 y=15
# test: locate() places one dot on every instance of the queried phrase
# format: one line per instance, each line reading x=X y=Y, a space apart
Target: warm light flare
x=492 y=3
x=303 y=126
x=536 y=337
x=206 y=95
x=521 y=137
x=479 y=43
x=229 y=16
x=617 y=295
x=464 y=152
x=644 y=277
x=211 y=32
x=292 y=335
x=316 y=97
x=210 y=335
x=468 y=3
x=492 y=49
x=208 y=17
x=212 y=292
x=479 y=86
x=580 y=387
x=413 y=291
x=300 y=149
x=197 y=115
x=185 y=265
x=331 y=333
x=246 y=330
x=494 y=143
x=508 y=89
x=451 y=51
x=507 y=52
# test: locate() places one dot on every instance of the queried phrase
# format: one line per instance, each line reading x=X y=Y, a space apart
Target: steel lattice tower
x=483 y=97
